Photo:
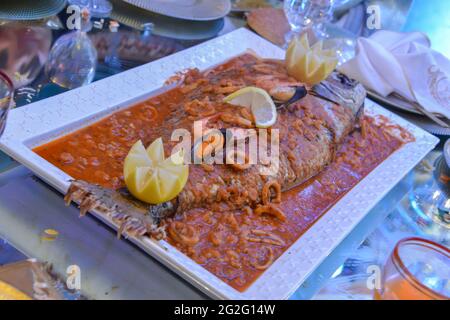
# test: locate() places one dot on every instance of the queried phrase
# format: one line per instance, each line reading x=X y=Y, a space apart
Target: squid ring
x=236 y=120
x=149 y=110
x=183 y=233
x=230 y=160
x=199 y=108
x=271 y=210
x=266 y=194
x=265 y=265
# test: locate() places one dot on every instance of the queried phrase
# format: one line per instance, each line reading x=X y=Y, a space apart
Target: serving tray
x=45 y=120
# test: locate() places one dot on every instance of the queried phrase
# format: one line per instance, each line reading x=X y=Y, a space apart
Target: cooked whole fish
x=310 y=132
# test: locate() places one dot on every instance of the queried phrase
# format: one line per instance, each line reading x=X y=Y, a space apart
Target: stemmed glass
x=73 y=58
x=6 y=97
x=311 y=16
x=308 y=14
x=97 y=8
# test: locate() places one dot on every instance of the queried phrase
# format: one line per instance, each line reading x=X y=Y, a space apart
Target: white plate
x=48 y=119
x=399 y=103
x=394 y=102
x=186 y=9
x=408 y=111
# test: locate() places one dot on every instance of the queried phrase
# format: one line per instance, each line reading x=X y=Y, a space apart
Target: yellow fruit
x=309 y=64
x=259 y=102
x=8 y=292
x=151 y=177
x=51 y=232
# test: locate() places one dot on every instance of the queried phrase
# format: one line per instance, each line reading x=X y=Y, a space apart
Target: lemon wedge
x=259 y=102
x=309 y=64
x=8 y=292
x=151 y=177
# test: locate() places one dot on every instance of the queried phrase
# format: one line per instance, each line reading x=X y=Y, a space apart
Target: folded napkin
x=403 y=63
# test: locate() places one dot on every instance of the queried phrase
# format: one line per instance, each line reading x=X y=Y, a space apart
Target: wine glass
x=308 y=14
x=72 y=61
x=430 y=201
x=311 y=16
x=97 y=8
x=6 y=97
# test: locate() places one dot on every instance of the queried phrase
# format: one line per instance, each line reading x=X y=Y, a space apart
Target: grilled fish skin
x=310 y=131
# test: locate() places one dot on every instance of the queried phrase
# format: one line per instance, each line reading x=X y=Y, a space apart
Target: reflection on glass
x=6 y=96
x=417 y=269
x=23 y=52
x=430 y=202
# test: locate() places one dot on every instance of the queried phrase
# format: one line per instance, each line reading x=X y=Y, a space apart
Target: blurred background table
x=116 y=269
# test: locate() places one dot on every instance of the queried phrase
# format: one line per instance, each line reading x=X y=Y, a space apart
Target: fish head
x=342 y=90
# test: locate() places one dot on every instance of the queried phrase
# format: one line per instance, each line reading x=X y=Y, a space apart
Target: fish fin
x=133 y=217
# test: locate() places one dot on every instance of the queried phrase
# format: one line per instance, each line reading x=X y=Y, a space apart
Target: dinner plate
x=200 y=10
x=46 y=120
x=174 y=28
x=393 y=102
x=30 y=9
x=407 y=111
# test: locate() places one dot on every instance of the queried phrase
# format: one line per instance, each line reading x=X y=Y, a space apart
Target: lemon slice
x=309 y=64
x=151 y=177
x=8 y=292
x=259 y=102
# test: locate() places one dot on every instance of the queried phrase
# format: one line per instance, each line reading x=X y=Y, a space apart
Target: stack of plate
x=178 y=19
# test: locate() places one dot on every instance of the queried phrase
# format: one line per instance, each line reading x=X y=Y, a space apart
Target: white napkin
x=404 y=63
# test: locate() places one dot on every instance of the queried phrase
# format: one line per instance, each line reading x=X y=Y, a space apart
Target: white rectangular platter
x=40 y=122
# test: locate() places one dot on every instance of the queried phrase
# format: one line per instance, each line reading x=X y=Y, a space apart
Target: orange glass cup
x=417 y=269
